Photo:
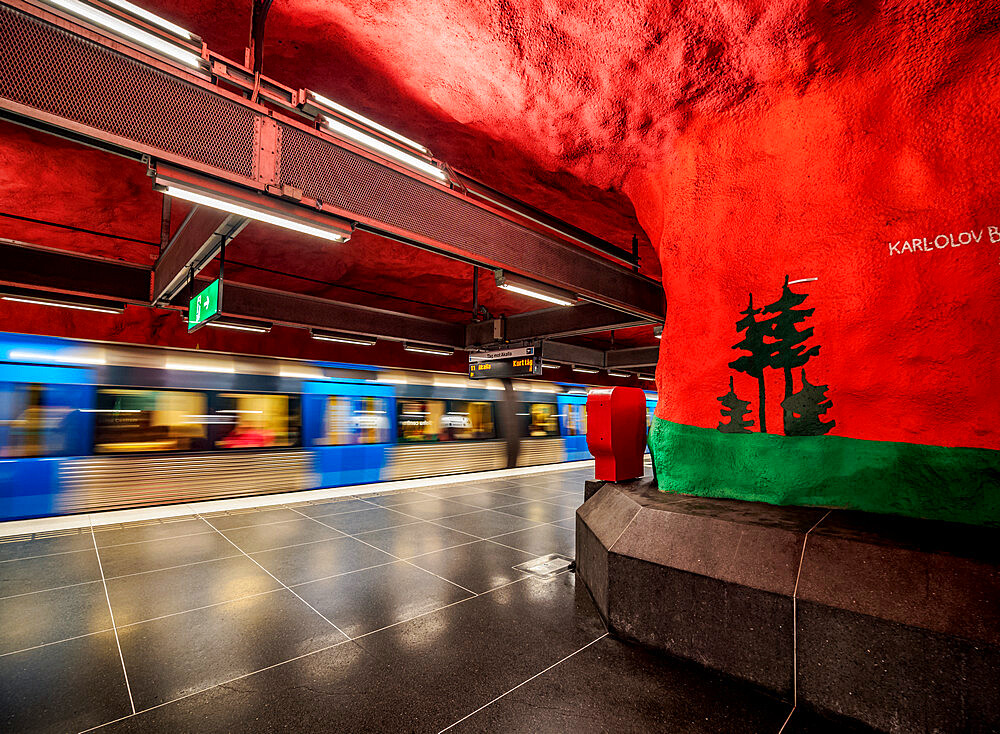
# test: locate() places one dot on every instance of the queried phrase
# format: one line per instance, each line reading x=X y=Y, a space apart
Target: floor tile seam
x=494 y=509
x=504 y=545
x=43 y=555
x=343 y=573
x=53 y=588
x=314 y=609
x=393 y=508
x=254 y=524
x=377 y=530
x=432 y=522
x=304 y=655
x=537 y=522
x=152 y=540
x=341 y=514
x=522 y=683
x=407 y=562
x=111 y=612
x=173 y=568
x=56 y=642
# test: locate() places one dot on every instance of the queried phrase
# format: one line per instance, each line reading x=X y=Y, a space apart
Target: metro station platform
x=397 y=612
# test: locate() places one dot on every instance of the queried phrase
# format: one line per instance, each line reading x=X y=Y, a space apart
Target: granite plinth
x=893 y=622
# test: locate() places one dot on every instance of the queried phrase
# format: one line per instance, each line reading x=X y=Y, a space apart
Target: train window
x=34 y=421
x=355 y=420
x=130 y=420
x=538 y=419
x=575 y=419
x=252 y=420
x=467 y=420
x=420 y=420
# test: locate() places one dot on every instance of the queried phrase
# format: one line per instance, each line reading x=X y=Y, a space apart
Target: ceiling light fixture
x=550 y=366
x=358 y=117
x=658 y=331
x=379 y=146
x=427 y=349
x=525 y=287
x=215 y=202
x=119 y=26
x=60 y=301
x=152 y=18
x=617 y=374
x=587 y=370
x=257 y=327
x=336 y=336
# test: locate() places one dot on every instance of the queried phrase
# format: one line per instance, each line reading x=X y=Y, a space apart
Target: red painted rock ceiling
x=749 y=140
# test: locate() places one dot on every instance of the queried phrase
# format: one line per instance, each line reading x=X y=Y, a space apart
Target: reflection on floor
x=396 y=613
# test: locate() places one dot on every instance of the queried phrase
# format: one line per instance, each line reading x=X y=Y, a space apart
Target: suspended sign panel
x=205 y=306
x=515 y=362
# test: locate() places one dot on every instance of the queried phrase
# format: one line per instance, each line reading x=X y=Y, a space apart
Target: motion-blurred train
x=91 y=426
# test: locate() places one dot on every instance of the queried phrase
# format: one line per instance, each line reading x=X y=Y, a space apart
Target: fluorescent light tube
x=240 y=327
x=130 y=31
x=536 y=294
x=255 y=214
x=617 y=374
x=425 y=349
x=528 y=288
x=152 y=18
x=588 y=370
x=62 y=304
x=333 y=336
x=418 y=164
x=550 y=366
x=326 y=102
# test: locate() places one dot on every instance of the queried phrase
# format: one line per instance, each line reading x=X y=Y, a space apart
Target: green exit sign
x=205 y=306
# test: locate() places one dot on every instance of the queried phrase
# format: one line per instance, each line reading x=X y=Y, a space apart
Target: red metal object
x=616 y=432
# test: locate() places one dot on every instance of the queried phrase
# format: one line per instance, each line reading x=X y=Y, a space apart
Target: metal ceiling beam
x=572 y=354
x=221 y=134
x=196 y=242
x=634 y=357
x=37 y=267
x=265 y=304
x=584 y=318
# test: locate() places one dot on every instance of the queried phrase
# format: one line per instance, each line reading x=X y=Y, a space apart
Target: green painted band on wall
x=934 y=482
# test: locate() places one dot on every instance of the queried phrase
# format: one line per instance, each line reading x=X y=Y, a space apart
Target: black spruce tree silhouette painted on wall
x=789 y=349
x=735 y=410
x=759 y=357
x=803 y=409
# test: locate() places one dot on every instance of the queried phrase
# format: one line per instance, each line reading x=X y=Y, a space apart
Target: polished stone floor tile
x=47 y=572
x=542 y=539
x=50 y=616
x=418 y=676
x=572 y=501
x=66 y=687
x=432 y=509
x=153 y=531
x=407 y=541
x=363 y=521
x=280 y=534
x=368 y=600
x=479 y=566
x=12 y=549
x=485 y=523
x=119 y=560
x=531 y=493
x=539 y=511
x=569 y=523
x=144 y=596
x=488 y=500
x=177 y=655
x=449 y=491
x=256 y=517
x=611 y=686
x=399 y=498
x=302 y=563
x=333 y=507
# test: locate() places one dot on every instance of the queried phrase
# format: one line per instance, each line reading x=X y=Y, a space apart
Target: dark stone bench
x=891 y=621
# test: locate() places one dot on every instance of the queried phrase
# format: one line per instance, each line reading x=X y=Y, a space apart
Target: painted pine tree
x=803 y=409
x=735 y=410
x=759 y=357
x=789 y=350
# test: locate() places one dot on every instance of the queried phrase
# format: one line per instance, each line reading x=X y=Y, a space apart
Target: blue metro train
x=90 y=426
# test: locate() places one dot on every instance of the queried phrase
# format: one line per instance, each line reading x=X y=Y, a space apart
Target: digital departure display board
x=514 y=362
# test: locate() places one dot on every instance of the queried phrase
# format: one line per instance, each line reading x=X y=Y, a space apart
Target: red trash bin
x=616 y=432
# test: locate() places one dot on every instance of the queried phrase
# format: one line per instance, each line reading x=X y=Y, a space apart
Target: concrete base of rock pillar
x=890 y=621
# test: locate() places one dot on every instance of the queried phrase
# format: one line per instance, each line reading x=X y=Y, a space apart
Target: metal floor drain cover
x=545 y=566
